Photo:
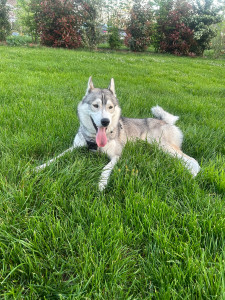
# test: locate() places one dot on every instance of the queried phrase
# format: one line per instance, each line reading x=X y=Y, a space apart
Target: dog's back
x=160 y=129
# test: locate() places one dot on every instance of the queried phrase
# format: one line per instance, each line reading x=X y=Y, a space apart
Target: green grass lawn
x=155 y=232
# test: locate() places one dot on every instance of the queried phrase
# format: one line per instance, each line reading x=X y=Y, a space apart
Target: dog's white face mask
x=101 y=106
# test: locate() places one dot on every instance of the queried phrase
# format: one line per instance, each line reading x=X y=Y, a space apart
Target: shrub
x=205 y=14
x=114 y=38
x=27 y=17
x=172 y=30
x=139 y=27
x=58 y=26
x=89 y=11
x=18 y=40
x=184 y=29
x=218 y=43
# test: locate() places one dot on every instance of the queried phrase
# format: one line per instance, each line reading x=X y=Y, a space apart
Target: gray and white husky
x=102 y=128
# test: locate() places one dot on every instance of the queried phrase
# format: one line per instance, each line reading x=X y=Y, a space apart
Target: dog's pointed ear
x=90 y=85
x=112 y=87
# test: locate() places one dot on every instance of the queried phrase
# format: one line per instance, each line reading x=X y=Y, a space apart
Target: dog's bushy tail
x=161 y=114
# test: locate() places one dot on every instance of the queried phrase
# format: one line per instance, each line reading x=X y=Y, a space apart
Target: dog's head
x=99 y=111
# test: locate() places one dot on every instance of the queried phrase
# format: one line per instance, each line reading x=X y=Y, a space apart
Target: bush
x=18 y=40
x=218 y=43
x=139 y=27
x=185 y=29
x=114 y=38
x=57 y=24
x=205 y=14
x=173 y=34
x=89 y=12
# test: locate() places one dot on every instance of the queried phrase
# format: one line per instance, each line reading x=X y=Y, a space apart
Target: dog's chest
x=112 y=148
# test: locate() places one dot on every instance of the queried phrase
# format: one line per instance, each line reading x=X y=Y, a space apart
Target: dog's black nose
x=105 y=122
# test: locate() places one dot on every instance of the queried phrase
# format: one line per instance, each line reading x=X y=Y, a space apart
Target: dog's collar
x=92 y=145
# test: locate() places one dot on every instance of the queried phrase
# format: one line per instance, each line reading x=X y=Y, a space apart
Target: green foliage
x=18 y=40
x=161 y=16
x=114 y=38
x=89 y=11
x=139 y=27
x=27 y=14
x=218 y=43
x=175 y=26
x=4 y=20
x=117 y=12
x=185 y=27
x=205 y=15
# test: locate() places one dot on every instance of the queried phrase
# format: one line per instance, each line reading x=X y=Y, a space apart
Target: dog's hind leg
x=79 y=141
x=106 y=172
x=191 y=164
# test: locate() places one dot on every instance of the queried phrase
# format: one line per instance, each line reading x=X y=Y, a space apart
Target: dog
x=103 y=129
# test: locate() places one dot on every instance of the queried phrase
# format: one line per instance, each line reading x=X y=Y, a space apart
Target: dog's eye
x=110 y=107
x=95 y=105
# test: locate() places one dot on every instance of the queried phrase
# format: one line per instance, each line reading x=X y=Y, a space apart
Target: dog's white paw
x=193 y=166
x=102 y=185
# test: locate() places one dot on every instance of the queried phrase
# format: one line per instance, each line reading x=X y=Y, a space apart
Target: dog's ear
x=112 y=87
x=90 y=85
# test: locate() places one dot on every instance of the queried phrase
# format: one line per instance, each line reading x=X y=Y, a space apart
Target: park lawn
x=155 y=232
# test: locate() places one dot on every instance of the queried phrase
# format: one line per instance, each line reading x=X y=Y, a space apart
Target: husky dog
x=102 y=128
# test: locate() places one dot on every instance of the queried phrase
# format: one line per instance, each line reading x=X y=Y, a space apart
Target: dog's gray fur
x=99 y=104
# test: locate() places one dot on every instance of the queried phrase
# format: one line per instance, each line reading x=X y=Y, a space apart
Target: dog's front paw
x=102 y=184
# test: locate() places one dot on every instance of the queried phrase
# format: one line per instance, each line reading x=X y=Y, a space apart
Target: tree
x=57 y=24
x=218 y=43
x=205 y=14
x=117 y=12
x=89 y=12
x=27 y=16
x=4 y=20
x=185 y=28
x=164 y=7
x=139 y=27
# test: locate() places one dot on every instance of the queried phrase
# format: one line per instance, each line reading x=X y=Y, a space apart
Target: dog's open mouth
x=101 y=138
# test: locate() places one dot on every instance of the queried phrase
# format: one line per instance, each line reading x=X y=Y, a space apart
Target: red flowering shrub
x=179 y=40
x=57 y=24
x=173 y=35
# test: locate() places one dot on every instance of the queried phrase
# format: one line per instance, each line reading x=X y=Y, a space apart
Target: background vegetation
x=155 y=232
x=4 y=20
x=179 y=27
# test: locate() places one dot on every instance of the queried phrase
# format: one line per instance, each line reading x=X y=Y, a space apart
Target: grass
x=155 y=233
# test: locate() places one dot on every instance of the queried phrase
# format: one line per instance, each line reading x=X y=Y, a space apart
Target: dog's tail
x=161 y=114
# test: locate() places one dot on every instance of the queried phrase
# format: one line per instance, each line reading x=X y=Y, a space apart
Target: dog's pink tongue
x=101 y=138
